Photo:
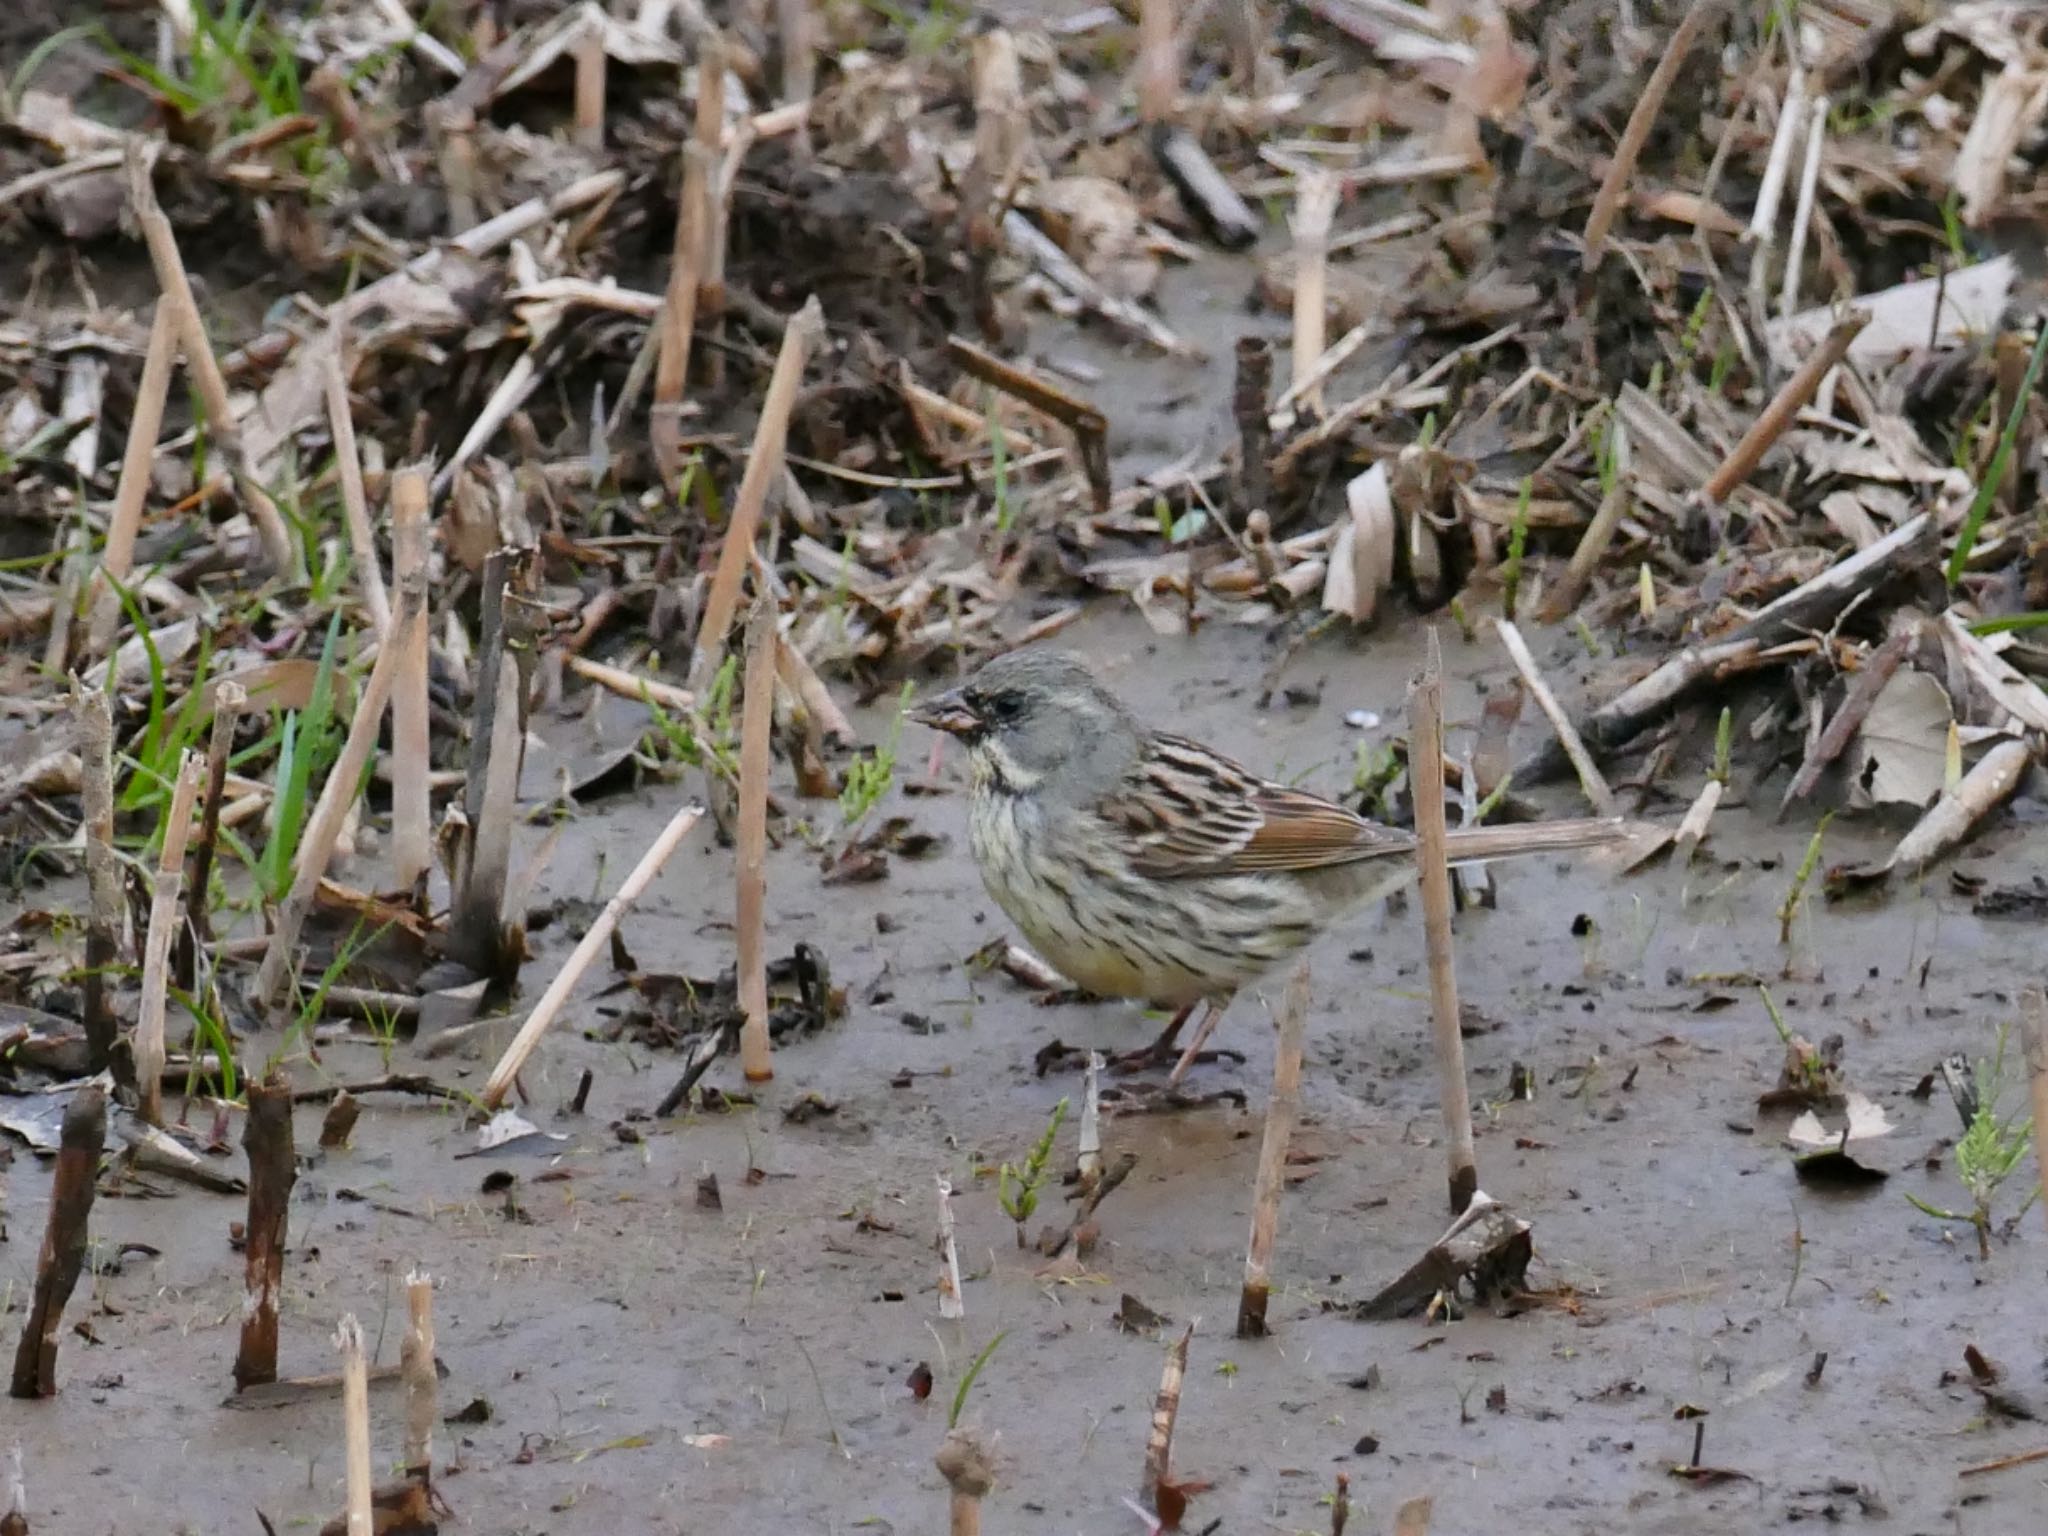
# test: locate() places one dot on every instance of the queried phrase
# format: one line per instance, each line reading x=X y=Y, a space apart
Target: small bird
x=1144 y=865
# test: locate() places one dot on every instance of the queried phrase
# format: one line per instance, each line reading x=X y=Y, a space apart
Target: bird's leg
x=1166 y=1048
x=1202 y=1033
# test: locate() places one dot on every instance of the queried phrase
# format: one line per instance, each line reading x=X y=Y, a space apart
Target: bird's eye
x=1003 y=707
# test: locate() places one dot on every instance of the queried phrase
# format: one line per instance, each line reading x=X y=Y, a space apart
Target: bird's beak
x=950 y=713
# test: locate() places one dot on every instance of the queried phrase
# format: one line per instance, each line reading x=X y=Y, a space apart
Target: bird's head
x=1035 y=716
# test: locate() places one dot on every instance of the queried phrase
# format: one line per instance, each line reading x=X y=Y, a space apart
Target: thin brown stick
x=355 y=1424
x=497 y=744
x=1158 y=62
x=587 y=949
x=1253 y=384
x=106 y=915
x=228 y=699
x=1793 y=396
x=132 y=490
x=1315 y=205
x=412 y=830
x=65 y=1236
x=591 y=64
x=2024 y=1458
x=1426 y=778
x=355 y=505
x=2034 y=1040
x=267 y=1143
x=764 y=469
x=964 y=1462
x=1281 y=1109
x=337 y=797
x=1614 y=185
x=422 y=1384
x=1590 y=778
x=166 y=901
x=1592 y=549
x=678 y=318
x=1165 y=1409
x=757 y=720
x=1081 y=417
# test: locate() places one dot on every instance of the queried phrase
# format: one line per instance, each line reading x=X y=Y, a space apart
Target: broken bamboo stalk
x=1426 y=782
x=422 y=1384
x=355 y=1423
x=1590 y=777
x=1315 y=205
x=1793 y=396
x=587 y=949
x=497 y=748
x=764 y=469
x=355 y=503
x=165 y=904
x=337 y=797
x=757 y=722
x=65 y=1235
x=677 y=321
x=131 y=491
x=267 y=1144
x=1165 y=1410
x=106 y=914
x=1281 y=1109
x=964 y=1462
x=412 y=830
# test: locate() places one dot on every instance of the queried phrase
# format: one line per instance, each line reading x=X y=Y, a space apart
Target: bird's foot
x=1167 y=1098
x=1159 y=1056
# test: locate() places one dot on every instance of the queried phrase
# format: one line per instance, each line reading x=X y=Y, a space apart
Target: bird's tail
x=1471 y=845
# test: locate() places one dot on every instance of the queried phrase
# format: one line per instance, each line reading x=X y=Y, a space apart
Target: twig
x=1081 y=417
x=717 y=197
x=64 y=1242
x=228 y=699
x=1254 y=424
x=1426 y=782
x=764 y=469
x=1088 y=1139
x=591 y=65
x=273 y=1169
x=132 y=490
x=1802 y=211
x=355 y=1423
x=1590 y=778
x=1593 y=542
x=757 y=722
x=1614 y=185
x=587 y=950
x=2024 y=1458
x=337 y=797
x=1281 y=1109
x=952 y=1303
x=106 y=909
x=412 y=830
x=355 y=504
x=1848 y=719
x=165 y=903
x=964 y=1462
x=422 y=1384
x=676 y=325
x=1165 y=1409
x=1158 y=61
x=1315 y=205
x=1791 y=115
x=1793 y=396
x=1204 y=188
x=497 y=749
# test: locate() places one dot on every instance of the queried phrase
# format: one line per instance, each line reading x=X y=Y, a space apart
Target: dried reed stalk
x=591 y=64
x=710 y=132
x=497 y=749
x=103 y=609
x=1802 y=210
x=412 y=829
x=1281 y=1109
x=273 y=1169
x=764 y=469
x=587 y=949
x=355 y=505
x=1158 y=61
x=422 y=1384
x=165 y=904
x=1793 y=396
x=952 y=1300
x=65 y=1236
x=1165 y=1410
x=1590 y=778
x=106 y=914
x=355 y=1424
x=337 y=797
x=1426 y=779
x=228 y=701
x=1315 y=206
x=678 y=318
x=757 y=723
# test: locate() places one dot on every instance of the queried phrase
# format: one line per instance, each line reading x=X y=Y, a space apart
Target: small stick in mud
x=355 y=1423
x=62 y=1258
x=952 y=1304
x=228 y=700
x=757 y=722
x=337 y=797
x=1088 y=1140
x=1792 y=397
x=1254 y=427
x=1590 y=777
x=131 y=491
x=497 y=748
x=412 y=810
x=1426 y=770
x=964 y=1462
x=267 y=1143
x=166 y=902
x=355 y=502
x=1272 y=1175
x=422 y=1385
x=106 y=915
x=587 y=949
x=715 y=201
x=1084 y=419
x=2034 y=1047
x=339 y=1123
x=677 y=321
x=1614 y=186
x=1952 y=817
x=1315 y=205
x=14 y=1510
x=764 y=469
x=1868 y=683
x=1165 y=1410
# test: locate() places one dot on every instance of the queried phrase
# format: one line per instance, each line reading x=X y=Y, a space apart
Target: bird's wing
x=1186 y=810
